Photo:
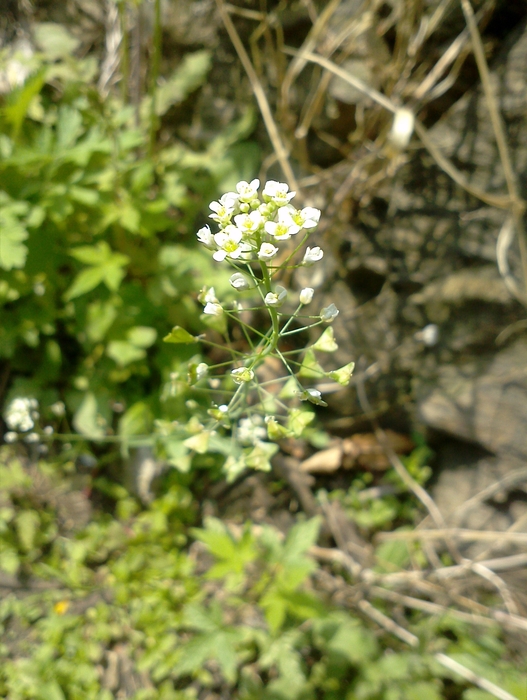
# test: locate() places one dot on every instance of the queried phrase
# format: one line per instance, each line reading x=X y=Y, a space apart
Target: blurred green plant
x=237 y=614
x=94 y=249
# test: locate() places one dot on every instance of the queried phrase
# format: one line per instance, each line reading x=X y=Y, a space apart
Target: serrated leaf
x=85 y=281
x=301 y=537
x=92 y=254
x=179 y=335
x=13 y=252
x=187 y=77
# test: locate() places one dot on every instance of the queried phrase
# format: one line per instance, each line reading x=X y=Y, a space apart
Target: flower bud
x=239 y=282
x=329 y=313
x=306 y=295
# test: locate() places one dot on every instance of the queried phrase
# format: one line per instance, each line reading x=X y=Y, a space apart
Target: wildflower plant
x=261 y=237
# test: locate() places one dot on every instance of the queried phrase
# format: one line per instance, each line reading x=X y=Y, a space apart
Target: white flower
x=247 y=191
x=229 y=244
x=277 y=192
x=31 y=437
x=224 y=209
x=205 y=236
x=284 y=228
x=201 y=370
x=251 y=430
x=267 y=251
x=248 y=223
x=242 y=375
x=329 y=313
x=314 y=396
x=312 y=255
x=58 y=409
x=207 y=295
x=306 y=295
x=213 y=309
x=21 y=414
x=10 y=436
x=239 y=281
x=276 y=298
x=306 y=218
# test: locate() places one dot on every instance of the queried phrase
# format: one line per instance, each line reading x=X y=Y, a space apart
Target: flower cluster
x=260 y=234
x=21 y=414
x=20 y=417
x=251 y=228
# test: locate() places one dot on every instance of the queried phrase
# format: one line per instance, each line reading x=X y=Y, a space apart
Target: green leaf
x=54 y=40
x=85 y=281
x=19 y=101
x=87 y=419
x=326 y=342
x=100 y=318
x=301 y=537
x=142 y=336
x=69 y=127
x=298 y=420
x=106 y=266
x=179 y=335
x=137 y=420
x=187 y=77
x=259 y=456
x=124 y=353
x=199 y=443
x=392 y=555
x=27 y=525
x=13 y=252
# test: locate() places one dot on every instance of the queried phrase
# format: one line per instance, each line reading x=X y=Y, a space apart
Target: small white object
x=429 y=335
x=402 y=128
x=312 y=255
x=277 y=297
x=306 y=295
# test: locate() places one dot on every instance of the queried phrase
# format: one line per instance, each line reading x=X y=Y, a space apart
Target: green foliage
x=95 y=249
x=238 y=615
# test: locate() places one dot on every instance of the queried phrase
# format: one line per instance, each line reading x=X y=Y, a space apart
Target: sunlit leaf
x=179 y=335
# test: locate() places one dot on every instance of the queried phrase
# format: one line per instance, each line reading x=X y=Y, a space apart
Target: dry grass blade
x=512 y=622
x=517 y=204
x=454 y=533
x=469 y=675
x=280 y=150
